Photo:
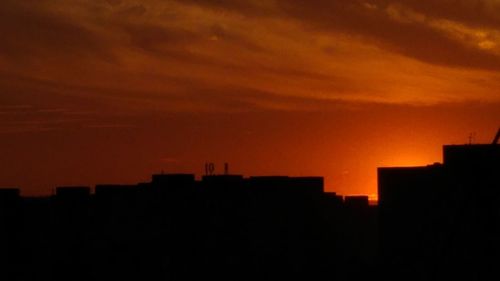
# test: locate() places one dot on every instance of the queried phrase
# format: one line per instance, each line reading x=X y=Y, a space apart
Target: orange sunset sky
x=113 y=91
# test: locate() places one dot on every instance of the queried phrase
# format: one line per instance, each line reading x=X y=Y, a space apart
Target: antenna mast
x=497 y=137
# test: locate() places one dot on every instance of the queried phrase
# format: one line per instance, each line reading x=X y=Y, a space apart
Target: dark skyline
x=249 y=140
x=177 y=228
x=433 y=222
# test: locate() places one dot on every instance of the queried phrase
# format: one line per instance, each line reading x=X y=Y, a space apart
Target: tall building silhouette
x=442 y=221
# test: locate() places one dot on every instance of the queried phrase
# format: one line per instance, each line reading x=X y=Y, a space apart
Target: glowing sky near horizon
x=112 y=91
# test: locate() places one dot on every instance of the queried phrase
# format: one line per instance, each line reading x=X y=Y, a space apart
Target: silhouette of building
x=178 y=228
x=72 y=192
x=358 y=201
x=8 y=194
x=173 y=180
x=10 y=230
x=442 y=221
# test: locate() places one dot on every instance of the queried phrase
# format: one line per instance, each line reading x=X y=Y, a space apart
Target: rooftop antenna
x=497 y=137
x=209 y=169
x=472 y=137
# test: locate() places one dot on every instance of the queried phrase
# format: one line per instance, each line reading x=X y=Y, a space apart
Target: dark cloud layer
x=182 y=48
x=370 y=21
x=411 y=38
x=479 y=13
x=29 y=31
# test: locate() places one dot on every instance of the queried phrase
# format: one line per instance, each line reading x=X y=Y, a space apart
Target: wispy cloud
x=246 y=55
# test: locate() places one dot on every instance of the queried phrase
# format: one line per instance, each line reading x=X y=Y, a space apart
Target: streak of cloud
x=209 y=55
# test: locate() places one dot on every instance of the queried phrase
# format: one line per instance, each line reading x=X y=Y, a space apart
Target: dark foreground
x=436 y=222
x=175 y=228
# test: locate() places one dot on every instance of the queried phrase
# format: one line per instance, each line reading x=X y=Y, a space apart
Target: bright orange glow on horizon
x=115 y=90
